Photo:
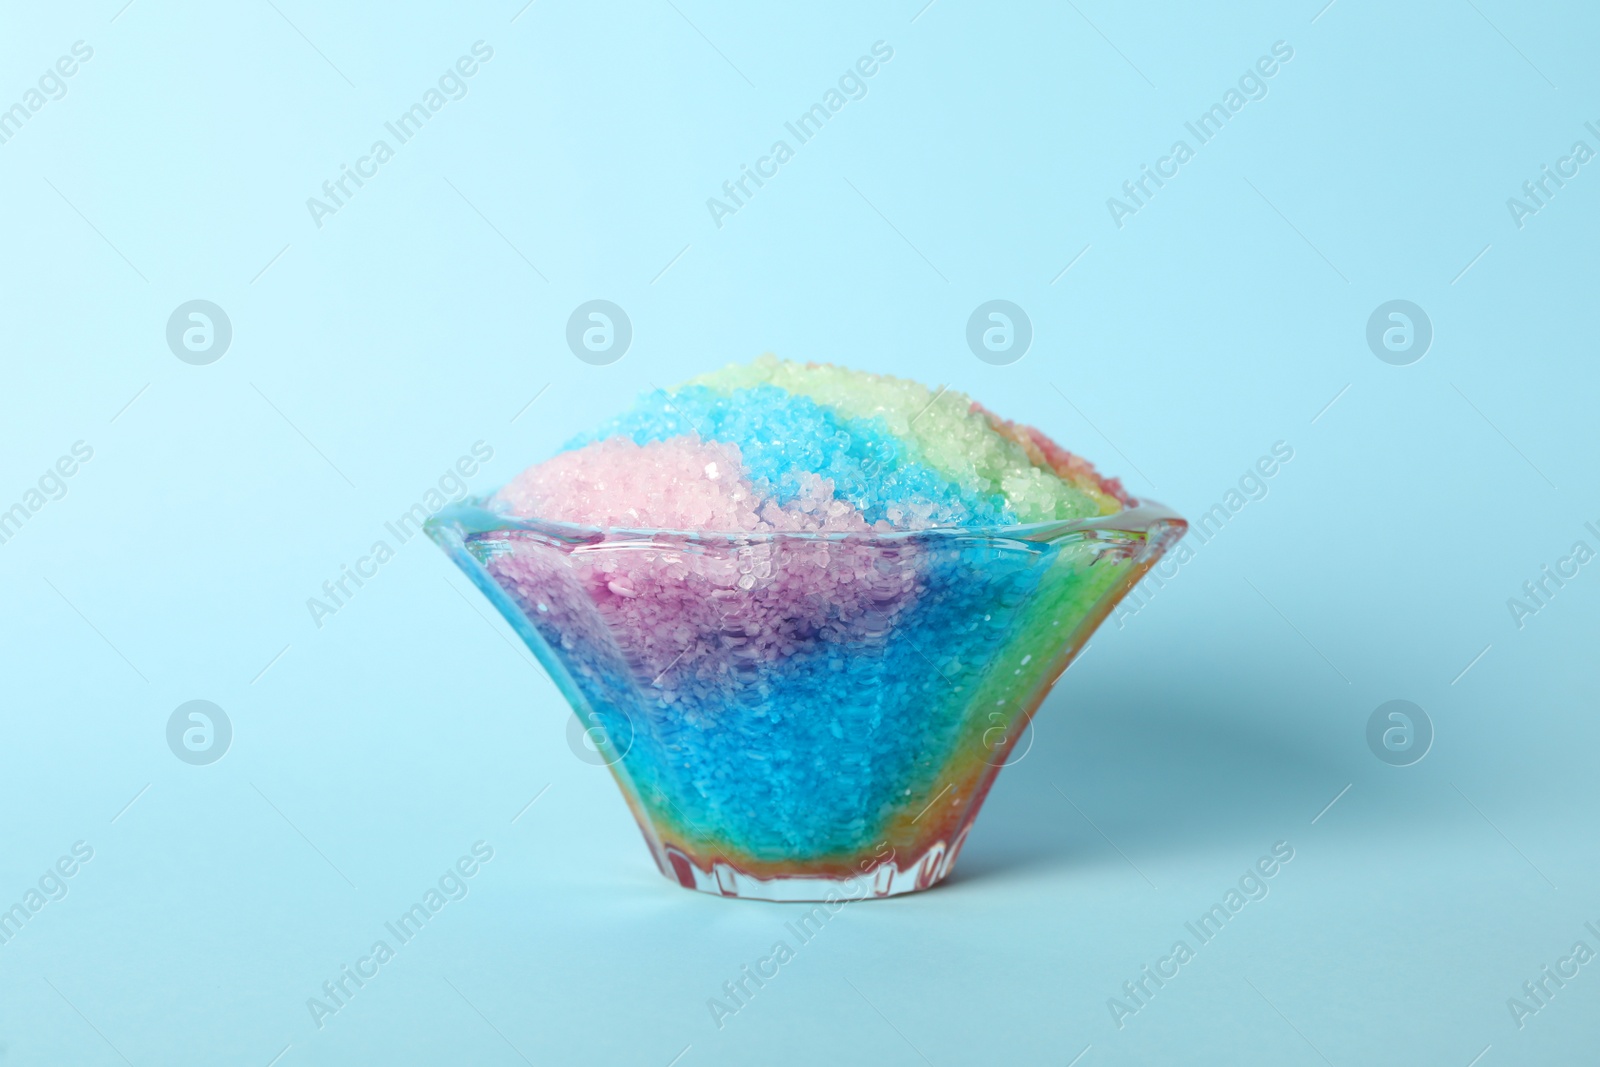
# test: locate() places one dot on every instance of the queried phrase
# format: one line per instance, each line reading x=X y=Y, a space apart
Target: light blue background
x=369 y=354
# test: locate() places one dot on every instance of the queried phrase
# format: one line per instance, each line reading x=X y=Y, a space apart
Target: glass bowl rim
x=464 y=518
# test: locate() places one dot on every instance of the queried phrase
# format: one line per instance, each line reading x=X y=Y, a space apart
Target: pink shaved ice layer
x=681 y=483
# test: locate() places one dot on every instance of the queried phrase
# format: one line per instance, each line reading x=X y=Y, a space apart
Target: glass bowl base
x=883 y=879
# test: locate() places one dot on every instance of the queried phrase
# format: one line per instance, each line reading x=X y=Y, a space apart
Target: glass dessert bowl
x=805 y=716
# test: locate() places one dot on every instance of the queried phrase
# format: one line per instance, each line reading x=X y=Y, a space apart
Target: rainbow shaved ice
x=777 y=445
x=808 y=612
